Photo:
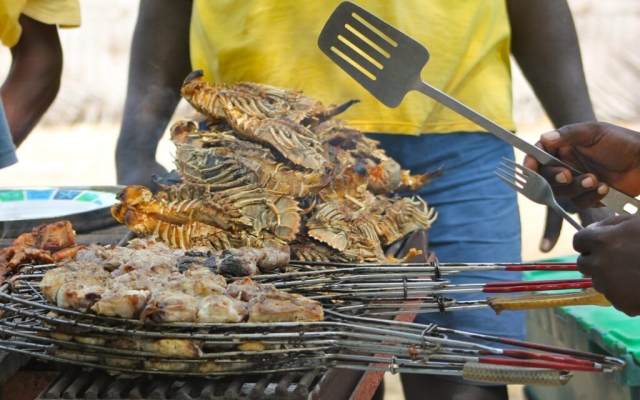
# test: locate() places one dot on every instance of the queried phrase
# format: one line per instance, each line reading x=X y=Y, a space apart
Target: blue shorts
x=7 y=149
x=478 y=218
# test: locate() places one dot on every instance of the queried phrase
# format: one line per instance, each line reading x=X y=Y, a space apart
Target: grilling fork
x=388 y=63
x=533 y=186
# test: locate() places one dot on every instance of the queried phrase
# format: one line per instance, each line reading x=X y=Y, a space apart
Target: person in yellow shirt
x=30 y=29
x=470 y=44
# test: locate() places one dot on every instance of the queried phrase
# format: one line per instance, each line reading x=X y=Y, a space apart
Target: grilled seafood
x=187 y=289
x=45 y=244
x=291 y=140
x=257 y=100
x=232 y=165
x=269 y=167
x=142 y=259
x=188 y=217
x=398 y=216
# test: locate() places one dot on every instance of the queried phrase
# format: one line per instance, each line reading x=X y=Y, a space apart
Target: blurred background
x=75 y=142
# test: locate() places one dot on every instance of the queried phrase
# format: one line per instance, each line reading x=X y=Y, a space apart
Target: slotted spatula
x=388 y=63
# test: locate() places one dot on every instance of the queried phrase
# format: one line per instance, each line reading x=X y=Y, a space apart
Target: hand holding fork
x=532 y=186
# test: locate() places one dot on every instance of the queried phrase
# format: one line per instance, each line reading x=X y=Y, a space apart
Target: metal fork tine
x=532 y=186
x=507 y=181
x=513 y=178
x=515 y=171
x=518 y=165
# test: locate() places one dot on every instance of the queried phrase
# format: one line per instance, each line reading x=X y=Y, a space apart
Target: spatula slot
x=354 y=59
x=374 y=29
x=359 y=51
x=362 y=42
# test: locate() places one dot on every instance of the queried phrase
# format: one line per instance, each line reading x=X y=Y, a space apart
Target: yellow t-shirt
x=275 y=43
x=65 y=13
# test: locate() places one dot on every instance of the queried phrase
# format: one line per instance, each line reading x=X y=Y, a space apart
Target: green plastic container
x=602 y=330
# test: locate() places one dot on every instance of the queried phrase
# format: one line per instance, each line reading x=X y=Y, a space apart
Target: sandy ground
x=84 y=155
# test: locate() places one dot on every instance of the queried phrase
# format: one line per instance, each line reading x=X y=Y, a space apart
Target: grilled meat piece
x=36 y=247
x=121 y=302
x=246 y=289
x=221 y=309
x=52 y=237
x=284 y=307
x=76 y=295
x=88 y=274
x=93 y=341
x=140 y=253
x=198 y=282
x=171 y=366
x=173 y=347
x=68 y=253
x=116 y=282
x=170 y=306
x=247 y=261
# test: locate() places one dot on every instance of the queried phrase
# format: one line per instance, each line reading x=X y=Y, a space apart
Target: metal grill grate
x=79 y=385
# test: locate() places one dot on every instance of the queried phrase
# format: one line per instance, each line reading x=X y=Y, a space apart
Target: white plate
x=38 y=205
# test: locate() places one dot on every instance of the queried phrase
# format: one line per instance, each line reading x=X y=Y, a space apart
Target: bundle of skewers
x=391 y=289
x=344 y=338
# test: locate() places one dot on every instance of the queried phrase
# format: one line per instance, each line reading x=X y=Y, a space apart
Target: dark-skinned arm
x=545 y=45
x=158 y=65
x=34 y=78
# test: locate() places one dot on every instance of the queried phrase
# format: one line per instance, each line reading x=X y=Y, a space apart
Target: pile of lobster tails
x=270 y=166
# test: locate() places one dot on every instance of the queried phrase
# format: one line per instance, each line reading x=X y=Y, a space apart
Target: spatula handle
x=617 y=201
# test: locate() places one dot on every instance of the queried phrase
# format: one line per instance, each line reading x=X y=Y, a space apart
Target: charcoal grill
x=311 y=348
x=78 y=384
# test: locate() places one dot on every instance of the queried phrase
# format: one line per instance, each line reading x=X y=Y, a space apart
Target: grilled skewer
x=384 y=290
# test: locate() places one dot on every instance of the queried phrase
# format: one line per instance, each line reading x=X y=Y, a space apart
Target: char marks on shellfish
x=271 y=167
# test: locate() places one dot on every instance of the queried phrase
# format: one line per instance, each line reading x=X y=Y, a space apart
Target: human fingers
x=587 y=240
x=531 y=163
x=593 y=215
x=556 y=176
x=569 y=135
x=586 y=265
x=596 y=236
x=591 y=198
x=552 y=228
x=612 y=221
x=584 y=190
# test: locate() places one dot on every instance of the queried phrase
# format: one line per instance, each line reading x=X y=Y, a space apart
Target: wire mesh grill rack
x=131 y=348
